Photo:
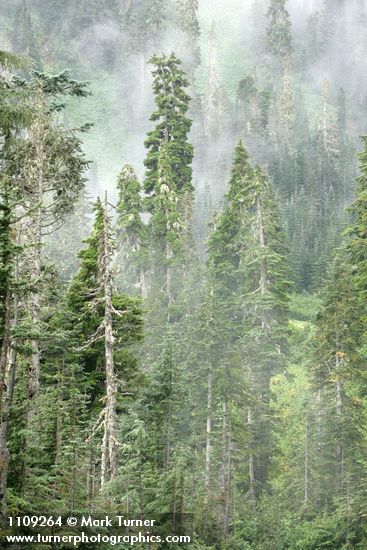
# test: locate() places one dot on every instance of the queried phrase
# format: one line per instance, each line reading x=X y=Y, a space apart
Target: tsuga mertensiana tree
x=50 y=164
x=172 y=125
x=265 y=290
x=338 y=364
x=167 y=181
x=247 y=286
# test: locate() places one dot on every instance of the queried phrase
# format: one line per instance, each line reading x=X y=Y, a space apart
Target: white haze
x=123 y=100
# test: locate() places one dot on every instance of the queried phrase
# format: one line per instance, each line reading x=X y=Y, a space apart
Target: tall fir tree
x=265 y=290
x=173 y=126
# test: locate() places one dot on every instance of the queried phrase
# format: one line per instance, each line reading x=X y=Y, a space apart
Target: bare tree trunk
x=259 y=381
x=5 y=346
x=4 y=451
x=167 y=437
x=92 y=473
x=182 y=503
x=75 y=462
x=143 y=283
x=318 y=436
x=263 y=270
x=104 y=458
x=226 y=470
x=208 y=431
x=109 y=445
x=251 y=466
x=174 y=511
x=325 y=95
x=110 y=419
x=36 y=189
x=306 y=467
x=60 y=399
x=6 y=259
x=34 y=370
x=339 y=451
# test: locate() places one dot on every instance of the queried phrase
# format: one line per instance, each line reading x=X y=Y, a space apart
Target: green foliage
x=84 y=313
x=169 y=83
x=132 y=232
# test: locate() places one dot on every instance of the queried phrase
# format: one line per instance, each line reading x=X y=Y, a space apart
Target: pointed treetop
x=129 y=188
x=241 y=174
x=172 y=125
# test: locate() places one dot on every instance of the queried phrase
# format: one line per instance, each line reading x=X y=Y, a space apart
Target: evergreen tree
x=247 y=103
x=132 y=232
x=103 y=320
x=70 y=236
x=264 y=302
x=51 y=164
x=172 y=128
x=167 y=226
x=15 y=116
x=187 y=22
x=215 y=103
x=339 y=366
x=248 y=294
x=357 y=231
x=279 y=36
x=337 y=373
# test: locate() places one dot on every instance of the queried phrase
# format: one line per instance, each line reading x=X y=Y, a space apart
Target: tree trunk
x=7 y=262
x=263 y=270
x=251 y=467
x=36 y=185
x=318 y=437
x=226 y=471
x=60 y=400
x=306 y=467
x=339 y=451
x=208 y=431
x=4 y=451
x=143 y=284
x=182 y=504
x=259 y=378
x=5 y=343
x=109 y=445
x=167 y=437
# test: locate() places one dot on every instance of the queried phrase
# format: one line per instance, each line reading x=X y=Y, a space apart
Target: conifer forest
x=183 y=270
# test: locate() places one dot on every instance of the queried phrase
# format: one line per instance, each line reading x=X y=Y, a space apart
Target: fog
x=115 y=63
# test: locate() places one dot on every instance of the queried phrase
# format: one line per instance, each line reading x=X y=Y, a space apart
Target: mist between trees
x=183 y=267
